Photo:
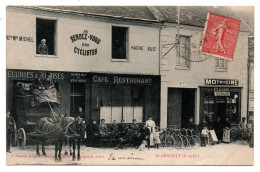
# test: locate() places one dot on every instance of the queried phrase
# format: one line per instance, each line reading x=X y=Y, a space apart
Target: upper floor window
x=183 y=51
x=45 y=36
x=119 y=42
x=221 y=64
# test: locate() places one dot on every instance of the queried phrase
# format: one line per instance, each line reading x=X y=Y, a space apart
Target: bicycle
x=194 y=140
x=180 y=143
x=186 y=143
x=170 y=140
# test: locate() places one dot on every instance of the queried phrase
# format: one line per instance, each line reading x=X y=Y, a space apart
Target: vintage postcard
x=129 y=85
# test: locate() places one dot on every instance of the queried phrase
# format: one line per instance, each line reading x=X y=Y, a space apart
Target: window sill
x=48 y=56
x=119 y=60
x=221 y=70
x=182 y=67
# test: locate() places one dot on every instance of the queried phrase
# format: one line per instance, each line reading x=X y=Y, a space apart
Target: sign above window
x=233 y=82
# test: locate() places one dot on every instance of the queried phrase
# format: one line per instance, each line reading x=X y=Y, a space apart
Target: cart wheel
x=21 y=138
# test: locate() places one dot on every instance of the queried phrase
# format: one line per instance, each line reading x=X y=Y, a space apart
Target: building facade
x=194 y=85
x=109 y=66
x=125 y=63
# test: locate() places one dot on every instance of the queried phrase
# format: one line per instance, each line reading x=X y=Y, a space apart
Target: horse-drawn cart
x=29 y=108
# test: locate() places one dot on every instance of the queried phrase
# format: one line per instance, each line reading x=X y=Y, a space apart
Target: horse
x=76 y=133
x=54 y=130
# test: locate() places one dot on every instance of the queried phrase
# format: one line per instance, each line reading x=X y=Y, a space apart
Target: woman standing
x=226 y=130
x=150 y=124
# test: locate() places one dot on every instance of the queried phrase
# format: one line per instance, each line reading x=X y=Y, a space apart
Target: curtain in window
x=138 y=113
x=183 y=51
x=128 y=114
x=105 y=113
x=116 y=113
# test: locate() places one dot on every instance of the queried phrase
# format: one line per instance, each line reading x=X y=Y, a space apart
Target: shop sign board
x=222 y=93
x=231 y=82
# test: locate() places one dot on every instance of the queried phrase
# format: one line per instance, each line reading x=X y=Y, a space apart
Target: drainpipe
x=160 y=47
x=160 y=62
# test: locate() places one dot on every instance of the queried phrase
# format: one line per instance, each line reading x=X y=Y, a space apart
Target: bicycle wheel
x=178 y=142
x=195 y=142
x=169 y=142
x=185 y=141
x=163 y=140
x=190 y=140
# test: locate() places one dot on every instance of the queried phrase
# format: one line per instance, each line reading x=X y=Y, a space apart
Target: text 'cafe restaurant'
x=101 y=96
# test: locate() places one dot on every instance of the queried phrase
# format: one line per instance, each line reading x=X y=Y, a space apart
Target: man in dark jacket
x=93 y=134
x=9 y=130
x=210 y=123
x=218 y=129
x=190 y=124
x=122 y=128
x=145 y=135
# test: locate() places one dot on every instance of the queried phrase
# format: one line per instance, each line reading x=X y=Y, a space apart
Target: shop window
x=77 y=98
x=120 y=102
x=183 y=52
x=221 y=102
x=119 y=42
x=45 y=36
x=221 y=64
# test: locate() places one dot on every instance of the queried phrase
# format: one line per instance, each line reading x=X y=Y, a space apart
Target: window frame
x=179 y=59
x=217 y=64
x=54 y=39
x=126 y=44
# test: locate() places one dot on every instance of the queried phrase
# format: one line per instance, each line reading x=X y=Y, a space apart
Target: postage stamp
x=220 y=36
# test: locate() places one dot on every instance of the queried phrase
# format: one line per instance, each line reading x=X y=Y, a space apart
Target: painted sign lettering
x=233 y=82
x=85 y=36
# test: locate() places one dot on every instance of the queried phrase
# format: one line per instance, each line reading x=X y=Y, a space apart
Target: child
x=204 y=136
x=156 y=136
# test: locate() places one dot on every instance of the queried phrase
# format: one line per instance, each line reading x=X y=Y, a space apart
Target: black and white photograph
x=129 y=85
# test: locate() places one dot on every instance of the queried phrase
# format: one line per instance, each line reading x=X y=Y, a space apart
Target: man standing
x=218 y=129
x=80 y=113
x=190 y=124
x=93 y=131
x=9 y=131
x=242 y=125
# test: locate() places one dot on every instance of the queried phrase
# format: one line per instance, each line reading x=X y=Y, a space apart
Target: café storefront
x=101 y=95
x=221 y=98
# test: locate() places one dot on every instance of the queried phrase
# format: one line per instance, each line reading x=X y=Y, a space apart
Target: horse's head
x=64 y=122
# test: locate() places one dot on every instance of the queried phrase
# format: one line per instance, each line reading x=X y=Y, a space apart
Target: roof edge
x=84 y=13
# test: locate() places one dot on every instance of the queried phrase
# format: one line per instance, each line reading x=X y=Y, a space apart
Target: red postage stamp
x=220 y=36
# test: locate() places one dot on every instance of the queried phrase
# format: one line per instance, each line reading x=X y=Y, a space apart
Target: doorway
x=181 y=106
